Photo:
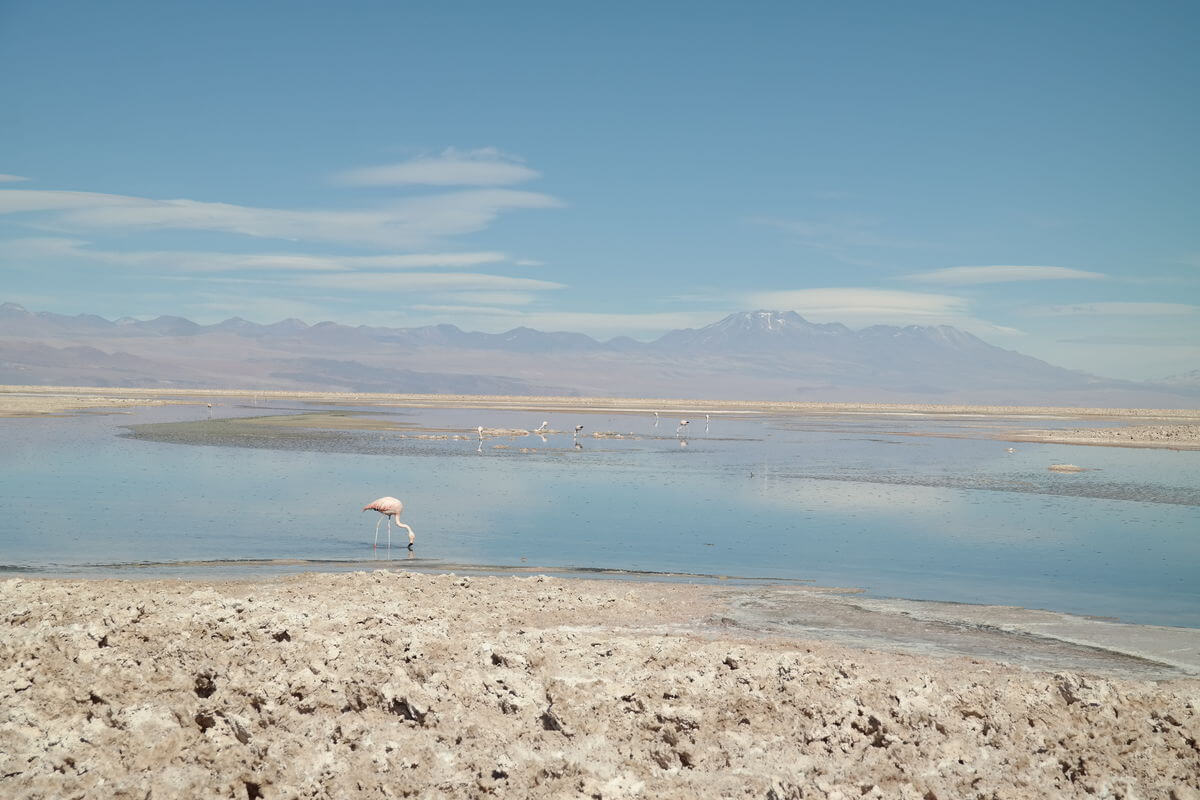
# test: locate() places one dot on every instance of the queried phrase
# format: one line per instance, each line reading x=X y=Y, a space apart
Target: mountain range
x=761 y=355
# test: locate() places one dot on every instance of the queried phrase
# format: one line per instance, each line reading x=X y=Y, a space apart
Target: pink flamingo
x=390 y=507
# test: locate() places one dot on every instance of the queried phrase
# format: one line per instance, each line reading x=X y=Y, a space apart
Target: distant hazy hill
x=752 y=354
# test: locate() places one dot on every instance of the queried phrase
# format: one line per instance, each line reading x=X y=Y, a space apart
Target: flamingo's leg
x=377 y=532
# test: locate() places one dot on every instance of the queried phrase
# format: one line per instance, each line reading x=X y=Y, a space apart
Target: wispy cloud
x=209 y=308
x=1183 y=338
x=5 y=178
x=283 y=274
x=426 y=282
x=607 y=325
x=17 y=200
x=1116 y=309
x=846 y=239
x=860 y=306
x=483 y=167
x=859 y=302
x=410 y=222
x=205 y=261
x=473 y=311
x=1002 y=274
x=495 y=298
x=598 y=324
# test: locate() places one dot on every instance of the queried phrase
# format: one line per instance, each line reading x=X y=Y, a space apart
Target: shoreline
x=1176 y=429
x=1171 y=437
x=369 y=684
x=123 y=395
x=773 y=607
x=1023 y=637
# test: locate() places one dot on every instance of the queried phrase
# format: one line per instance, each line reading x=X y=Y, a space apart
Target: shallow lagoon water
x=893 y=505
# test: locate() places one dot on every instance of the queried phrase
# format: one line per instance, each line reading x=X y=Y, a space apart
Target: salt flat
x=390 y=683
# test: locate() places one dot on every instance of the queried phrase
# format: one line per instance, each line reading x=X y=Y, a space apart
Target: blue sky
x=1026 y=171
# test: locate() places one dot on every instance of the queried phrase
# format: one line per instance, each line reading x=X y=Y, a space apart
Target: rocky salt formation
x=402 y=684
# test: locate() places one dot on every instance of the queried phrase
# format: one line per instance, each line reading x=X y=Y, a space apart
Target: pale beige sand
x=394 y=684
x=51 y=396
x=16 y=405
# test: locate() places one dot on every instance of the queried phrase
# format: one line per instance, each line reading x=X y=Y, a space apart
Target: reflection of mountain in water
x=749 y=355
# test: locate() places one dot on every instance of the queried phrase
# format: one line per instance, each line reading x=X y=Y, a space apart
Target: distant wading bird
x=542 y=428
x=683 y=423
x=578 y=428
x=390 y=507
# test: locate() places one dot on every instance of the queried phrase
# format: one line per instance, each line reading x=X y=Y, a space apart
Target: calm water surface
x=836 y=500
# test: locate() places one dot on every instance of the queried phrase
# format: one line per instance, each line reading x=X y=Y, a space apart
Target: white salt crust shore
x=1181 y=437
x=391 y=684
x=1175 y=428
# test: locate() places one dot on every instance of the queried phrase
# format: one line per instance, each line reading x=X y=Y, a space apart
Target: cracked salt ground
x=384 y=685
